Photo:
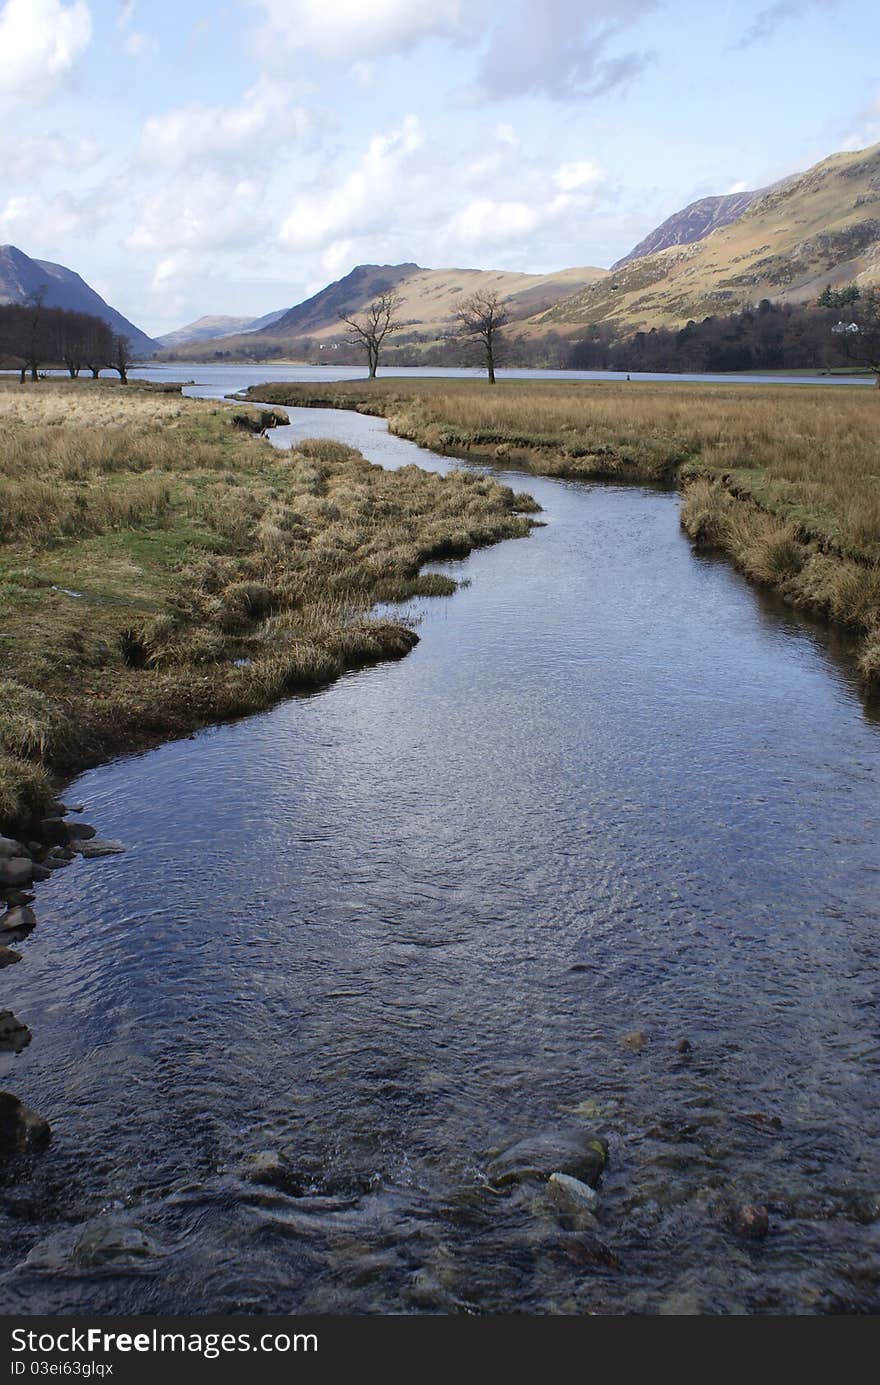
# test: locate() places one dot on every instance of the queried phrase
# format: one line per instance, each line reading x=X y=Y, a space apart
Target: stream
x=615 y=799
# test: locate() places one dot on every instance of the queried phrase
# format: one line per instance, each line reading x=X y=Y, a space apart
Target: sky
x=234 y=156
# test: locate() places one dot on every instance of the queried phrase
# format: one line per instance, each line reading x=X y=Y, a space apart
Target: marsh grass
x=785 y=479
x=160 y=568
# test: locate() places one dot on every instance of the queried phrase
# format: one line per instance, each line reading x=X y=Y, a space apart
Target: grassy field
x=785 y=479
x=161 y=567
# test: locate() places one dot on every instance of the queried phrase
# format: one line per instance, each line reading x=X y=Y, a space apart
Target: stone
x=14 y=1036
x=16 y=872
x=104 y=1241
x=10 y=848
x=21 y=1129
x=54 y=832
x=100 y=846
x=571 y=1194
x=40 y=872
x=635 y=1041
x=15 y=897
x=683 y=1046
x=80 y=831
x=19 y=919
x=751 y=1220
x=8 y=956
x=573 y=1149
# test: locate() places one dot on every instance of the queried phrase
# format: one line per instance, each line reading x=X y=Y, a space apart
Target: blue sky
x=232 y=157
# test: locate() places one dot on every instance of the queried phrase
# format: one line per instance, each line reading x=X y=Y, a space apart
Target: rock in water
x=10 y=849
x=14 y=1036
x=99 y=846
x=571 y=1194
x=16 y=871
x=21 y=1129
x=79 y=831
x=8 y=955
x=15 y=920
x=751 y=1220
x=572 y=1150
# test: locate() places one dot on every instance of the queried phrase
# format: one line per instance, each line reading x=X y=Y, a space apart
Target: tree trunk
x=22 y=375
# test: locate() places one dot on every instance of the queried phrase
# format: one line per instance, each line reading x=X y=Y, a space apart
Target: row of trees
x=769 y=337
x=480 y=320
x=35 y=337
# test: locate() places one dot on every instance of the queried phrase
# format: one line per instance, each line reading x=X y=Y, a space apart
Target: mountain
x=429 y=299
x=21 y=278
x=209 y=328
x=694 y=222
x=816 y=228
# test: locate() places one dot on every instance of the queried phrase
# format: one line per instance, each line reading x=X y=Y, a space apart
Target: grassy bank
x=161 y=567
x=785 y=480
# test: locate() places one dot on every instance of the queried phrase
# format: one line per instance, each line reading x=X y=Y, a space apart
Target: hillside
x=21 y=278
x=209 y=328
x=429 y=300
x=816 y=228
x=694 y=222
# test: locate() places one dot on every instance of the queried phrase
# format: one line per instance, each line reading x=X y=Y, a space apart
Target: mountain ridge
x=22 y=277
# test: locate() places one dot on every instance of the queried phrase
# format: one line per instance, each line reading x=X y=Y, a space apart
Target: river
x=615 y=798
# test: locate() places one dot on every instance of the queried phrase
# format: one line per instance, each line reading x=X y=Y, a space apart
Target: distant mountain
x=429 y=299
x=209 y=328
x=21 y=278
x=694 y=222
x=815 y=228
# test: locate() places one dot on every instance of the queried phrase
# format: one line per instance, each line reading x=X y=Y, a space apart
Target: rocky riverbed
x=46 y=845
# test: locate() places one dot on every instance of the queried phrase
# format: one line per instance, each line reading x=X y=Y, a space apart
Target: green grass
x=255 y=577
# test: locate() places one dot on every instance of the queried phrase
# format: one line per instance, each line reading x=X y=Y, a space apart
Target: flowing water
x=614 y=799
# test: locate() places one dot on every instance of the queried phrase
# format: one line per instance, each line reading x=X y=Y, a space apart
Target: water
x=378 y=930
x=213 y=379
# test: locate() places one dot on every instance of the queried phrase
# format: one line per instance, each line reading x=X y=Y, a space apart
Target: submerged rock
x=635 y=1041
x=95 y=1244
x=8 y=956
x=572 y=1150
x=21 y=1129
x=98 y=846
x=14 y=1036
x=751 y=1220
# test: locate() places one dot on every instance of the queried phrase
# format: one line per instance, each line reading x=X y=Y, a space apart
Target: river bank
x=784 y=482
x=164 y=567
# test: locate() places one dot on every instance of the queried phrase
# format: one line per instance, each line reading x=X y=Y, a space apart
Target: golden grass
x=160 y=569
x=785 y=478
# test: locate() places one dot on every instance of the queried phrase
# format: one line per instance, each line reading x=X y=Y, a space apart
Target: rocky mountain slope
x=694 y=222
x=21 y=278
x=816 y=228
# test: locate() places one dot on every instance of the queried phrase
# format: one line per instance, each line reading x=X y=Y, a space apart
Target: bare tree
x=370 y=328
x=482 y=317
x=121 y=358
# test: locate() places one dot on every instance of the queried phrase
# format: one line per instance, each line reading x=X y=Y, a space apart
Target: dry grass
x=786 y=479
x=160 y=569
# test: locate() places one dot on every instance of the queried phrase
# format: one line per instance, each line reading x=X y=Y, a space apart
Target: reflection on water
x=361 y=939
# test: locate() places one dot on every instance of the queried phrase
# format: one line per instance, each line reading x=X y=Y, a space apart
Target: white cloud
x=362 y=200
x=137 y=44
x=40 y=43
x=354 y=30
x=200 y=212
x=190 y=134
x=582 y=173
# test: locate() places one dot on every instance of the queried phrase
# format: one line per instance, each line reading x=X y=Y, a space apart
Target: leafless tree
x=370 y=328
x=482 y=317
x=121 y=358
